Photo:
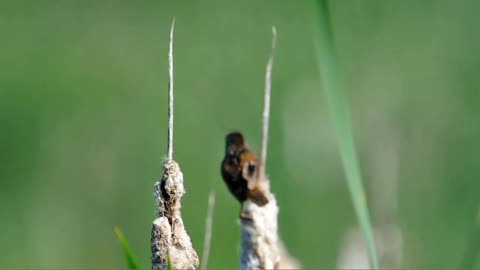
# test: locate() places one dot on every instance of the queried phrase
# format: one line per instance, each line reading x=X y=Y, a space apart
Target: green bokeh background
x=83 y=88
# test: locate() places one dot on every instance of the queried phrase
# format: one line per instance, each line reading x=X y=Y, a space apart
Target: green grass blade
x=131 y=261
x=169 y=263
x=339 y=112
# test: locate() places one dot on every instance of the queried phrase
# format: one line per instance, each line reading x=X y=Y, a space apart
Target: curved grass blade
x=339 y=113
x=169 y=263
x=131 y=260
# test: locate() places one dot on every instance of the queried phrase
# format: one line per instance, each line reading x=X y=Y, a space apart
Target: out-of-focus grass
x=338 y=107
x=127 y=251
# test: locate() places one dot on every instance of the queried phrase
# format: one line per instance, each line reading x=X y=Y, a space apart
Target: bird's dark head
x=234 y=143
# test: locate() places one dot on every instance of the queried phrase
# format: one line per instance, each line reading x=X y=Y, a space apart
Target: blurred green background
x=83 y=88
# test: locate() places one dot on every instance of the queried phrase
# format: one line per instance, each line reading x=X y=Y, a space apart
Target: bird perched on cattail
x=240 y=170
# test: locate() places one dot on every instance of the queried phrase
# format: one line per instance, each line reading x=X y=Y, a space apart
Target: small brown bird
x=239 y=170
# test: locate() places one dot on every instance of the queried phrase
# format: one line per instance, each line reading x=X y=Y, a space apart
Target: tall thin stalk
x=334 y=87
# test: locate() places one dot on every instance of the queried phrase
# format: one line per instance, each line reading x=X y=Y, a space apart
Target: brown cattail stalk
x=170 y=241
x=261 y=247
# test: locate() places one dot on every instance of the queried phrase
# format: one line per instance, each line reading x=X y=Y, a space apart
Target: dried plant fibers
x=170 y=242
x=261 y=247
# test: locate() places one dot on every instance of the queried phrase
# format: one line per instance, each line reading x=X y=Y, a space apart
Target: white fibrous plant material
x=259 y=235
x=170 y=240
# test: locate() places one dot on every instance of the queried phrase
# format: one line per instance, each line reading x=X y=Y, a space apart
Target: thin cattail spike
x=266 y=104
x=208 y=231
x=170 y=95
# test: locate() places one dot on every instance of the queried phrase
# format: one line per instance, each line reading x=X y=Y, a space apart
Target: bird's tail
x=258 y=197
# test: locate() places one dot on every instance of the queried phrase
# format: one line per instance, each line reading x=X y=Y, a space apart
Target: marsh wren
x=240 y=168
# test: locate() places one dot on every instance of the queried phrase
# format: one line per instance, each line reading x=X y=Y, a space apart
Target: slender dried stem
x=266 y=104
x=208 y=230
x=170 y=244
x=170 y=95
x=259 y=232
